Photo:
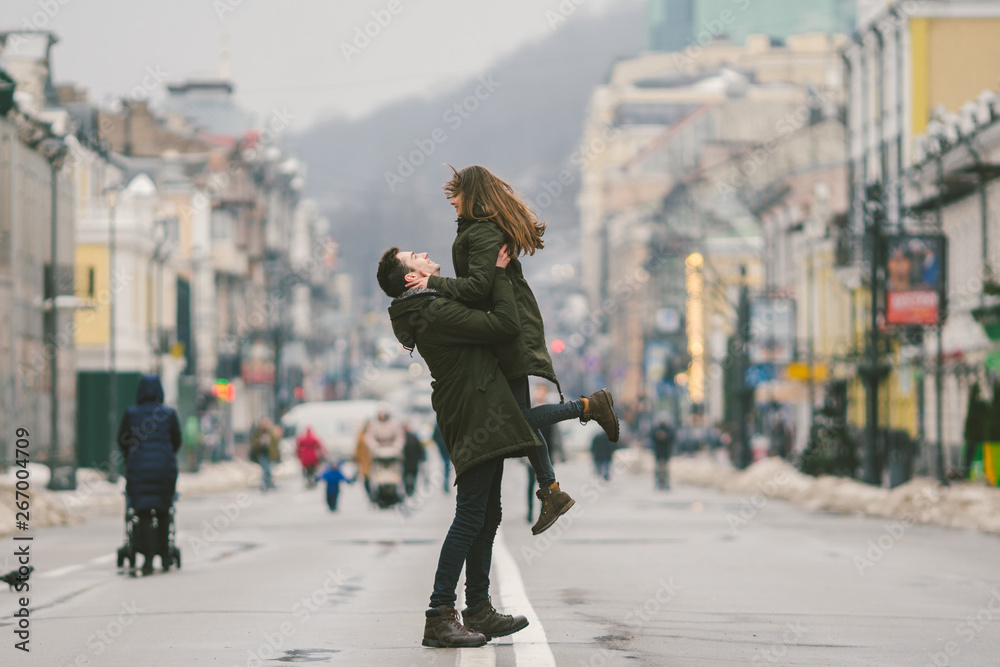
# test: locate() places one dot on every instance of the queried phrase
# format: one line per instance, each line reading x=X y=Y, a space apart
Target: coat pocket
x=487 y=374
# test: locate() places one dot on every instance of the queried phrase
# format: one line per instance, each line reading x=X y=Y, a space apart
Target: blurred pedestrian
x=385 y=438
x=192 y=443
x=413 y=455
x=333 y=476
x=363 y=458
x=443 y=451
x=149 y=436
x=602 y=449
x=310 y=452
x=262 y=448
x=662 y=440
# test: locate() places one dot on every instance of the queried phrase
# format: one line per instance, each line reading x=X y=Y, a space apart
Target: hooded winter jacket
x=149 y=437
x=474 y=255
x=476 y=411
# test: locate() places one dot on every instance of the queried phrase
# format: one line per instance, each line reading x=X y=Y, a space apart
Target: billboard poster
x=915 y=279
x=772 y=331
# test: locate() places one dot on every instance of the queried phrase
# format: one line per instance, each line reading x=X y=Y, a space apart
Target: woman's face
x=456 y=201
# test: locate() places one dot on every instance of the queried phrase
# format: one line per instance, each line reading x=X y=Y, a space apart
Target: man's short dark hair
x=392 y=273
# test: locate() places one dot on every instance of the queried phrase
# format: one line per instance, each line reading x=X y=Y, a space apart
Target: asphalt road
x=630 y=577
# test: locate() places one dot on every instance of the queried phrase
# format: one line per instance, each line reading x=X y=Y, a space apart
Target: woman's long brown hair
x=486 y=197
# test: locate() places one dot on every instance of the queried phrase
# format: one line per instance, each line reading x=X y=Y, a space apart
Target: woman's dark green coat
x=474 y=255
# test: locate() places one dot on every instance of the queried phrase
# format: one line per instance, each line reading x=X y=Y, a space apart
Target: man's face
x=417 y=262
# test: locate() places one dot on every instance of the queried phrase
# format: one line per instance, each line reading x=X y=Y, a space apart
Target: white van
x=336 y=424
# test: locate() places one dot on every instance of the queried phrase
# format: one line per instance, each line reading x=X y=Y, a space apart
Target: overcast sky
x=289 y=54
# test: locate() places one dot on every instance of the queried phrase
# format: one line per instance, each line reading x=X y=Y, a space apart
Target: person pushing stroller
x=149 y=437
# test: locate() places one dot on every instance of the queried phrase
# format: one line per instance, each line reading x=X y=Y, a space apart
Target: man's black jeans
x=470 y=538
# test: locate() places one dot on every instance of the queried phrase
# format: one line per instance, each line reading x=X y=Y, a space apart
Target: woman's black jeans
x=470 y=538
x=540 y=417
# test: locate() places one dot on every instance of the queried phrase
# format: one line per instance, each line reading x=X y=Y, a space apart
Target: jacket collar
x=463 y=223
x=415 y=292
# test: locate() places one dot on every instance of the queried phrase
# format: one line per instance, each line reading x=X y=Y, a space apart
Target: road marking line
x=531 y=648
x=484 y=656
x=61 y=571
x=100 y=560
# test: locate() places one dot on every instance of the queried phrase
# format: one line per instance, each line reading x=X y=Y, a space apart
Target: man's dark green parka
x=476 y=410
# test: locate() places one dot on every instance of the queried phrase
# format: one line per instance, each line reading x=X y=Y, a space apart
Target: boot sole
x=505 y=634
x=434 y=643
x=611 y=402
x=551 y=523
x=613 y=437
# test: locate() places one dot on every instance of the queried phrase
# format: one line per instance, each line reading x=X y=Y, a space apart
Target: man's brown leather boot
x=442 y=630
x=482 y=617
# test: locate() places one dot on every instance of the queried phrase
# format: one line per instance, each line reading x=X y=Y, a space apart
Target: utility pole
x=810 y=349
x=112 y=375
x=745 y=393
x=872 y=372
x=940 y=468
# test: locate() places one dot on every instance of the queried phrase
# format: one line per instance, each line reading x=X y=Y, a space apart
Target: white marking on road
x=531 y=648
x=484 y=656
x=61 y=571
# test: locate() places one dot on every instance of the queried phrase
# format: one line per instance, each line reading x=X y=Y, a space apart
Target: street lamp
x=55 y=151
x=161 y=253
x=112 y=194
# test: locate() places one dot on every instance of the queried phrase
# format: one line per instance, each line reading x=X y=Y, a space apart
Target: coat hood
x=150 y=390
x=404 y=312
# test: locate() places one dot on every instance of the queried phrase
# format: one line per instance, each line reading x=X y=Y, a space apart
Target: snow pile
x=95 y=495
x=44 y=509
x=223 y=476
x=922 y=500
x=632 y=460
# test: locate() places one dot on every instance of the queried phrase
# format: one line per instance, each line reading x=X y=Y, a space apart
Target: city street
x=630 y=576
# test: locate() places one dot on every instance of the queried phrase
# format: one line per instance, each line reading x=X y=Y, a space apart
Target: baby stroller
x=130 y=549
x=386 y=476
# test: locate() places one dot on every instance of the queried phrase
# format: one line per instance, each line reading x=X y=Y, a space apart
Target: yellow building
x=909 y=62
